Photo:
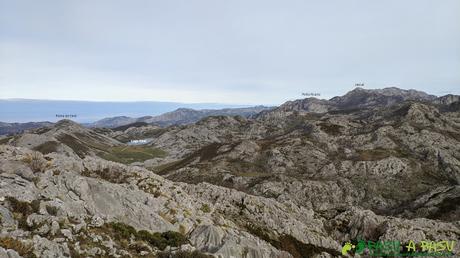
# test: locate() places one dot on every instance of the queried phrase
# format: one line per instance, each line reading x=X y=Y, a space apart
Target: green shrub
x=162 y=240
x=205 y=208
x=47 y=147
x=173 y=238
x=123 y=231
x=130 y=154
x=153 y=239
x=156 y=239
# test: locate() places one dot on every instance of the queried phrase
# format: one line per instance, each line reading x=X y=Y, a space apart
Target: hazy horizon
x=28 y=110
x=300 y=96
x=88 y=111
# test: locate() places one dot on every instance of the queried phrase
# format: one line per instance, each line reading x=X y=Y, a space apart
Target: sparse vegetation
x=205 y=208
x=21 y=210
x=130 y=154
x=161 y=240
x=123 y=231
x=112 y=173
x=47 y=147
x=289 y=243
x=36 y=161
x=24 y=250
x=168 y=217
x=75 y=144
x=331 y=129
x=5 y=140
x=156 y=239
x=378 y=154
x=124 y=127
x=375 y=154
x=182 y=229
x=206 y=153
x=184 y=254
x=52 y=210
x=24 y=208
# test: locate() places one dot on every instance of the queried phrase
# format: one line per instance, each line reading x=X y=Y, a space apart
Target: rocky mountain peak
x=359 y=97
x=68 y=124
x=392 y=91
x=447 y=99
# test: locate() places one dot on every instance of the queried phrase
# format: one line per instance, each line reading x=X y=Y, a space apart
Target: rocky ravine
x=291 y=182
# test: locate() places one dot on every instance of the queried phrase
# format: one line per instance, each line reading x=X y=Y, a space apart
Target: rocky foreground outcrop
x=58 y=206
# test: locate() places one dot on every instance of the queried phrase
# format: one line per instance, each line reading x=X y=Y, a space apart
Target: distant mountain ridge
x=34 y=110
x=357 y=98
x=13 y=128
x=179 y=116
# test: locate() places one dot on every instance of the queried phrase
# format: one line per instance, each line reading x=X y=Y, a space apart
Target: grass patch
x=23 y=250
x=204 y=154
x=5 y=140
x=375 y=154
x=124 y=127
x=298 y=122
x=344 y=111
x=205 y=208
x=47 y=147
x=252 y=174
x=76 y=145
x=331 y=129
x=256 y=169
x=130 y=154
x=378 y=154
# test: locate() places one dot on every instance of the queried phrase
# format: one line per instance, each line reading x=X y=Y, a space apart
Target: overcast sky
x=241 y=52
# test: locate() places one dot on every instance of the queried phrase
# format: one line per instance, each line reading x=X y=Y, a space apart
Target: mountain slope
x=290 y=182
x=179 y=116
x=15 y=128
